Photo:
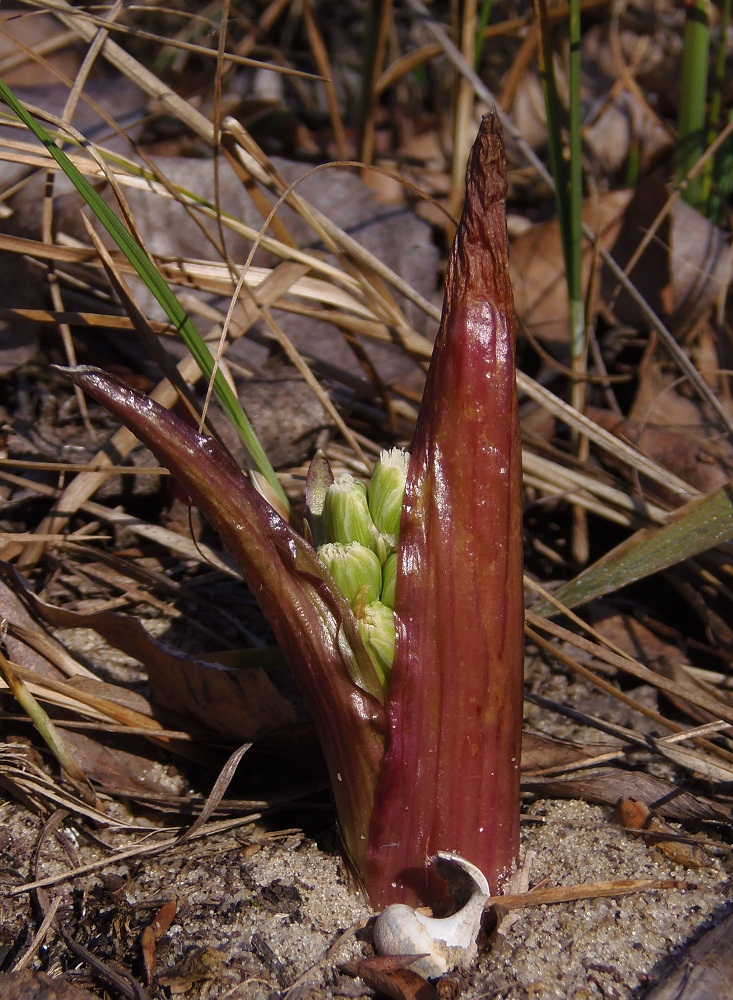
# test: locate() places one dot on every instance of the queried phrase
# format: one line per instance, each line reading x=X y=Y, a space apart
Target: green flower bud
x=385 y=546
x=387 y=490
x=317 y=482
x=347 y=513
x=377 y=630
x=389 y=578
x=356 y=570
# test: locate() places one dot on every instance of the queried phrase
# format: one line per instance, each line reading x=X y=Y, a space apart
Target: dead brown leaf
x=13 y=610
x=538 y=270
x=683 y=267
x=680 y=273
x=540 y=752
x=704 y=971
x=153 y=933
x=30 y=985
x=390 y=976
x=117 y=771
x=693 y=451
x=606 y=785
x=197 y=966
x=636 y=815
x=241 y=704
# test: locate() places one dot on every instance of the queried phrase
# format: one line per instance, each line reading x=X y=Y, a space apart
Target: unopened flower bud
x=377 y=630
x=355 y=568
x=389 y=578
x=347 y=513
x=317 y=482
x=386 y=490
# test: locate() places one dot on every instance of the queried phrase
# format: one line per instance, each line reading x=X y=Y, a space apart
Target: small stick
x=584 y=890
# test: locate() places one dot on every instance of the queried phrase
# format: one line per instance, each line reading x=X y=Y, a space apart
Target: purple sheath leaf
x=311 y=620
x=450 y=777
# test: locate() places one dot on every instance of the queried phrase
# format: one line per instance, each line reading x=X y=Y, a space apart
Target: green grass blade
x=165 y=297
x=691 y=122
x=483 y=19
x=51 y=735
x=722 y=178
x=553 y=111
x=715 y=104
x=718 y=172
x=694 y=528
x=574 y=258
x=567 y=173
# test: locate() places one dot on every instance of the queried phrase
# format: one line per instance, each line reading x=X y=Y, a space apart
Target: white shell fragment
x=446 y=943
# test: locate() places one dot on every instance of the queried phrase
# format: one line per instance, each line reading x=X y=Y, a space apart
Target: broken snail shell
x=445 y=943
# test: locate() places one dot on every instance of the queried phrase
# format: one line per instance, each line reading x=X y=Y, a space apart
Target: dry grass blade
x=50 y=733
x=320 y=54
x=185 y=547
x=379 y=20
x=465 y=31
x=619 y=449
x=90 y=705
x=112 y=470
x=80 y=319
x=86 y=25
x=701 y=525
x=140 y=850
x=20 y=776
x=696 y=762
x=217 y=792
x=543 y=896
x=39 y=937
x=554 y=479
x=39 y=536
x=717 y=707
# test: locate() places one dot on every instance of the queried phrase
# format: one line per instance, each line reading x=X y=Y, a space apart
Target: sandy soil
x=260 y=915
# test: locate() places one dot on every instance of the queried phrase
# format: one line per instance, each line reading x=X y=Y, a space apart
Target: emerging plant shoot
x=404 y=626
x=450 y=776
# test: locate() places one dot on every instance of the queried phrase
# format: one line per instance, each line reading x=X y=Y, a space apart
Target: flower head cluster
x=362 y=526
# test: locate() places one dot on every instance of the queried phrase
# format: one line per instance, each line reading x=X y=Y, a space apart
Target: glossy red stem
x=450 y=777
x=312 y=621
